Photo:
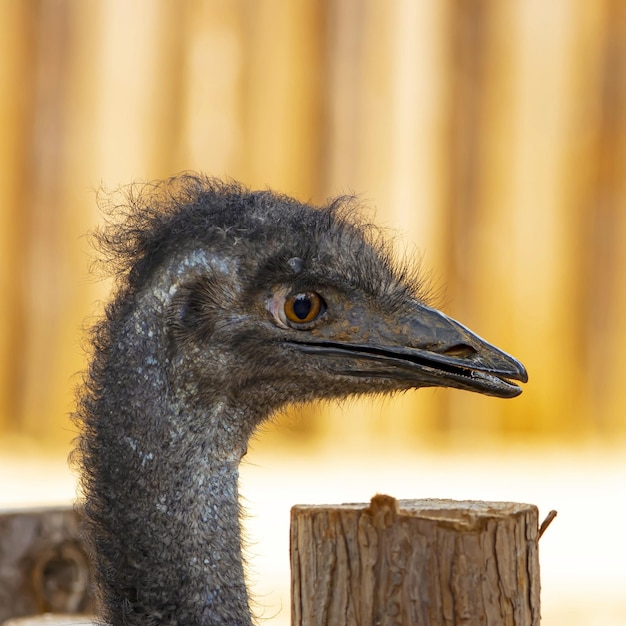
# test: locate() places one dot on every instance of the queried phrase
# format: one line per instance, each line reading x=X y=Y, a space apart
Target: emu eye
x=303 y=308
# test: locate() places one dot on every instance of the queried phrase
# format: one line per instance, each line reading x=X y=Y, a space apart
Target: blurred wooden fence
x=492 y=134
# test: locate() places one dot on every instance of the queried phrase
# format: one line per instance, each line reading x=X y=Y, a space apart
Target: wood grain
x=43 y=565
x=417 y=562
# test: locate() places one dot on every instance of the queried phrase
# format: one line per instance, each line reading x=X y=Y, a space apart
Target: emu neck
x=161 y=503
x=192 y=568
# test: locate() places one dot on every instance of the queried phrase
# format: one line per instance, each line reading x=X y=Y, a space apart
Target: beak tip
x=522 y=373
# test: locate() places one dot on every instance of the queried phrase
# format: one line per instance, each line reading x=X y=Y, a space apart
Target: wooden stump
x=415 y=562
x=43 y=564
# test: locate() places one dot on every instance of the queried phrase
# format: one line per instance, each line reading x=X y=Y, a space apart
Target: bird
x=230 y=305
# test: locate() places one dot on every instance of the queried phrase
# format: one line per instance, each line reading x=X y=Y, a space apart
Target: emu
x=229 y=305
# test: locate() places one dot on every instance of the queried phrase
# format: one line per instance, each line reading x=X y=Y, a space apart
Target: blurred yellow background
x=490 y=135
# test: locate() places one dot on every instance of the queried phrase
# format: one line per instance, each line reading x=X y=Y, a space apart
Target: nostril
x=460 y=351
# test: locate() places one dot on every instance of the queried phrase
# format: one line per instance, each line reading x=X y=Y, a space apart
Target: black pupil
x=302 y=306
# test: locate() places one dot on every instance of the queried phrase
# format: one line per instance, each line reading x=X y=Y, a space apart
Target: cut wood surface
x=415 y=562
x=43 y=564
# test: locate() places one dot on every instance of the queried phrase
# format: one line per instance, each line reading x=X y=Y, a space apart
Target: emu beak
x=421 y=348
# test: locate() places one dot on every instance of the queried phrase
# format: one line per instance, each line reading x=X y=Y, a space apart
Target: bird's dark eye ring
x=304 y=308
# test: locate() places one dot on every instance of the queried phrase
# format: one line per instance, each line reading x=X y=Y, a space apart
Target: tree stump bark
x=43 y=563
x=415 y=562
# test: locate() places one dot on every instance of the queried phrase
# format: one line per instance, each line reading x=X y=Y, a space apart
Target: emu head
x=268 y=301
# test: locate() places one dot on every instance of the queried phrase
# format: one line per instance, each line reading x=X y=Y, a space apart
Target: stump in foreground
x=416 y=562
x=43 y=563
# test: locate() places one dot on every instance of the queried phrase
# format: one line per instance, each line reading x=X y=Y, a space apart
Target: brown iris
x=302 y=308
